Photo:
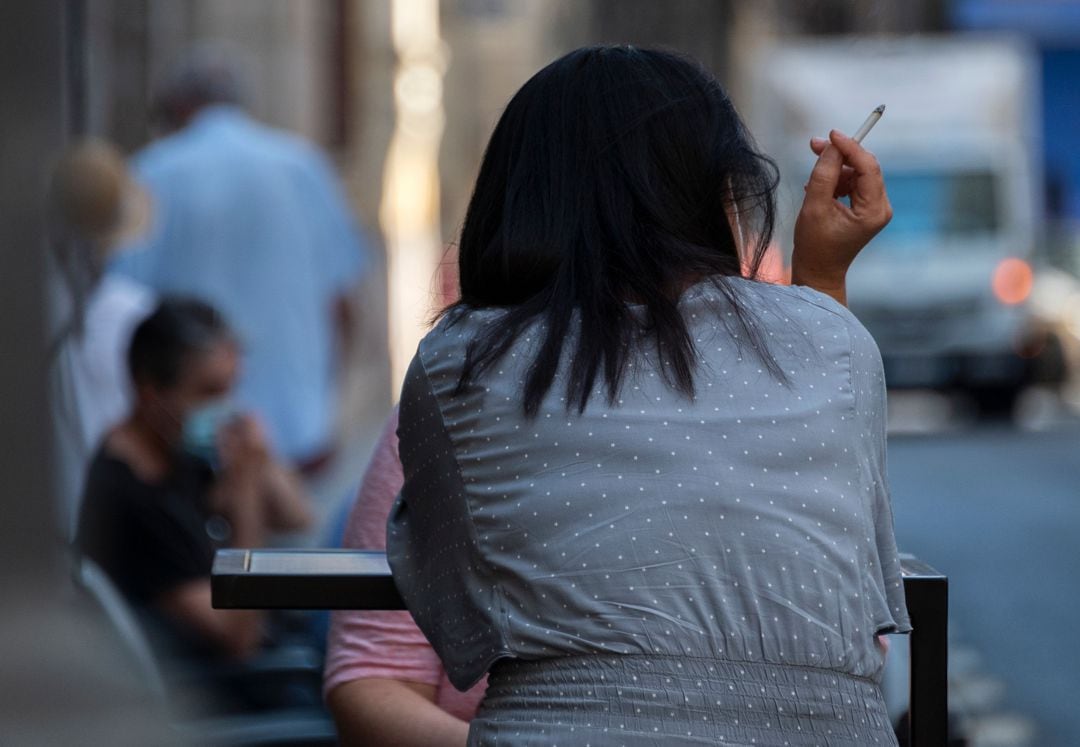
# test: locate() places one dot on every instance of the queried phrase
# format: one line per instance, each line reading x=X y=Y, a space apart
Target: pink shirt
x=386 y=645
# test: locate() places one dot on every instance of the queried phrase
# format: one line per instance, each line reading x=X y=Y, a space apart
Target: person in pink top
x=383 y=682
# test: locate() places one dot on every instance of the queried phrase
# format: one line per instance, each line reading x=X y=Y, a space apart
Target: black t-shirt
x=148 y=537
x=151 y=538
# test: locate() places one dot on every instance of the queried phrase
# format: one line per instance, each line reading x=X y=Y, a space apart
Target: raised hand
x=829 y=233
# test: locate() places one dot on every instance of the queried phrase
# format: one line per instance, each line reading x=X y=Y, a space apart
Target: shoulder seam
x=846 y=314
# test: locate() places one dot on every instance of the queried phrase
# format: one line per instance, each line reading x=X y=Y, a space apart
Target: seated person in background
x=383 y=681
x=183 y=474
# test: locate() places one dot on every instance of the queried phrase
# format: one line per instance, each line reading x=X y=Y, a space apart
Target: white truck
x=945 y=287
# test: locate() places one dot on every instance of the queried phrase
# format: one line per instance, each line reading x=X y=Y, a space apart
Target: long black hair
x=613 y=176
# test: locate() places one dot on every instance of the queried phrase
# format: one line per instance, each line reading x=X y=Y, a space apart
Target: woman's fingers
x=825 y=178
x=846 y=183
x=847 y=174
x=868 y=186
x=860 y=177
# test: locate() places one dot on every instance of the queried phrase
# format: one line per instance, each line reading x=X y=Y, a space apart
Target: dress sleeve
x=885 y=587
x=432 y=547
x=363 y=644
x=882 y=582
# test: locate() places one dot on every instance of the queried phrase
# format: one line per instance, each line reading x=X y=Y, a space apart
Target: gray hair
x=205 y=74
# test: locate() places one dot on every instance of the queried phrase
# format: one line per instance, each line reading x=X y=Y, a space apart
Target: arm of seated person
x=381 y=672
x=237 y=633
x=288 y=506
x=393 y=712
x=251 y=474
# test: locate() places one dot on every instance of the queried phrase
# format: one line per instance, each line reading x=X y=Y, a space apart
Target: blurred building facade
x=404 y=94
x=307 y=67
x=344 y=73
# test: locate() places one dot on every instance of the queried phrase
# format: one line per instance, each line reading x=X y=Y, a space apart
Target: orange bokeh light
x=1012 y=281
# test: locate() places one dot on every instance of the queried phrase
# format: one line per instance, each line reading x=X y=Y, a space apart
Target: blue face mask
x=201 y=428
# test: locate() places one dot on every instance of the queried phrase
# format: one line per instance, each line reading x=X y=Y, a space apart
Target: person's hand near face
x=245 y=459
x=242 y=444
x=829 y=234
x=280 y=501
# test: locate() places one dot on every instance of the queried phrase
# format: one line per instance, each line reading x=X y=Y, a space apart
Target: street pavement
x=997 y=508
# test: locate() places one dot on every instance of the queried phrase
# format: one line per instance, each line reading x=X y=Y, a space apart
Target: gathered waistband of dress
x=753 y=670
x=717 y=700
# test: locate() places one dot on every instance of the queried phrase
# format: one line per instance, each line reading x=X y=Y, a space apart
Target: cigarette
x=868 y=124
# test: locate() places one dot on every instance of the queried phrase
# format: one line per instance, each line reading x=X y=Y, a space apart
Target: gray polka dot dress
x=663 y=570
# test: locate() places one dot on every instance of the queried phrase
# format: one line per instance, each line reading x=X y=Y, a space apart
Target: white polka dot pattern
x=750 y=523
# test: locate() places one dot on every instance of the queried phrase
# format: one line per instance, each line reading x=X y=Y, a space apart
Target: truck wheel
x=996 y=402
